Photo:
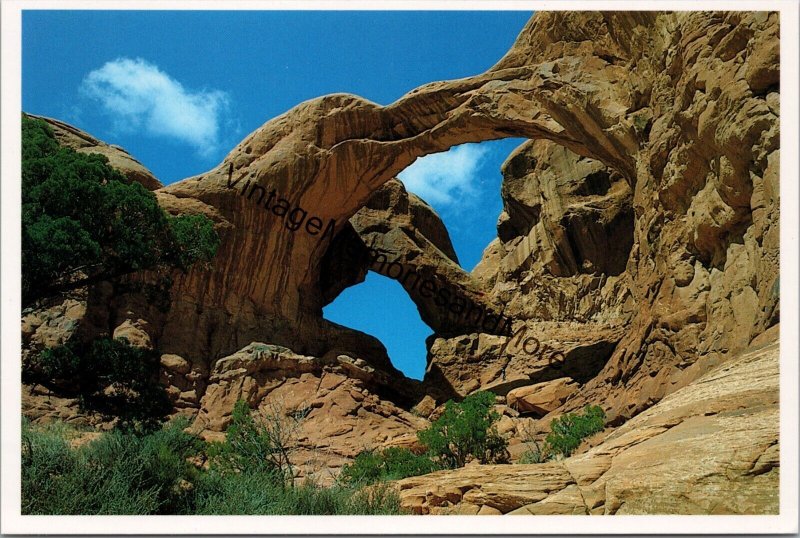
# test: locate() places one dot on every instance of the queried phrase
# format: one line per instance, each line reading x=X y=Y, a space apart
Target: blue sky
x=179 y=89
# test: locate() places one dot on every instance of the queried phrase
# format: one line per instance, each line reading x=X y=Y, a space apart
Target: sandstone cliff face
x=327 y=156
x=638 y=249
x=688 y=249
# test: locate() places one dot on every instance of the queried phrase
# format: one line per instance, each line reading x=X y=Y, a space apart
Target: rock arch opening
x=331 y=155
x=380 y=307
x=565 y=231
x=402 y=237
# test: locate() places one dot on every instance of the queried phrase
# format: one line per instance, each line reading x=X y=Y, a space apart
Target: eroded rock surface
x=333 y=404
x=681 y=248
x=652 y=207
x=709 y=448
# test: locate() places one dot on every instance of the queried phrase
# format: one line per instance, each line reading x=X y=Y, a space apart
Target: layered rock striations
x=718 y=434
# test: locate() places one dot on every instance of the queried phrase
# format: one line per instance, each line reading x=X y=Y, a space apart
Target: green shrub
x=465 y=430
x=127 y=473
x=251 y=474
x=255 y=493
x=83 y=221
x=392 y=463
x=89 y=369
x=257 y=445
x=119 y=473
x=569 y=430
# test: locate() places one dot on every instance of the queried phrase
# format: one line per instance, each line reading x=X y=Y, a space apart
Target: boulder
x=542 y=398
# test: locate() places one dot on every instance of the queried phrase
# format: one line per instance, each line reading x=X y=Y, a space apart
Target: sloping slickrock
x=708 y=448
x=502 y=487
x=81 y=141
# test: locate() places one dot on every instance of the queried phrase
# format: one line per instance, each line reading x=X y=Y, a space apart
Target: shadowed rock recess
x=639 y=238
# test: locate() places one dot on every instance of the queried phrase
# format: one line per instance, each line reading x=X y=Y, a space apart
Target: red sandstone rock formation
x=640 y=238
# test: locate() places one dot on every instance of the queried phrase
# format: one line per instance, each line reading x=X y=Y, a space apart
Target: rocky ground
x=639 y=240
x=708 y=448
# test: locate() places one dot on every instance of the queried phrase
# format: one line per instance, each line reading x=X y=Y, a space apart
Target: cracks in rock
x=586 y=506
x=758 y=468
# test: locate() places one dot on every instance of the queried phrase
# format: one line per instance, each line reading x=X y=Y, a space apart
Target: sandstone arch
x=329 y=155
x=682 y=106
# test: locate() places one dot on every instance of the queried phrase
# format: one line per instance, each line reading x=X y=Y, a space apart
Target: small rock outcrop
x=81 y=141
x=334 y=404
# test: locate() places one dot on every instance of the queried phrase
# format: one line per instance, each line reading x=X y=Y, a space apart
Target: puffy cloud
x=444 y=178
x=139 y=95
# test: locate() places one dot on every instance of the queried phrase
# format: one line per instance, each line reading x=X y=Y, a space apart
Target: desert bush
x=465 y=430
x=534 y=454
x=392 y=463
x=258 y=442
x=126 y=473
x=570 y=429
x=251 y=474
x=256 y=493
x=119 y=473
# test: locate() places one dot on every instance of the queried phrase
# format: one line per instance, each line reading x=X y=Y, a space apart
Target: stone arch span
x=327 y=156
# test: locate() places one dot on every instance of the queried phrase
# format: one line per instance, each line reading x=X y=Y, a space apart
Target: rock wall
x=680 y=246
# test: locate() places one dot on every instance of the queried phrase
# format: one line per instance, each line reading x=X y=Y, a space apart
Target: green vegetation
x=463 y=432
x=569 y=430
x=566 y=434
x=533 y=455
x=128 y=472
x=84 y=222
x=260 y=445
x=389 y=464
x=109 y=375
x=253 y=493
x=119 y=473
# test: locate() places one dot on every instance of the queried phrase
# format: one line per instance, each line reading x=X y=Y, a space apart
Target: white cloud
x=139 y=95
x=444 y=178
